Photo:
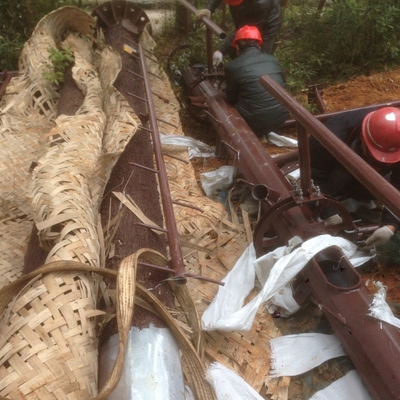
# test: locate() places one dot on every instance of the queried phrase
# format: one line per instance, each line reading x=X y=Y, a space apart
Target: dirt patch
x=383 y=87
x=363 y=90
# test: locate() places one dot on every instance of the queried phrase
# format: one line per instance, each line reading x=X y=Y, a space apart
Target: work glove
x=378 y=238
x=217 y=58
x=203 y=13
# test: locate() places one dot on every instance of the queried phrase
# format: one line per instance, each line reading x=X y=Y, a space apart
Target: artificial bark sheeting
x=49 y=333
x=71 y=98
x=212 y=243
x=139 y=183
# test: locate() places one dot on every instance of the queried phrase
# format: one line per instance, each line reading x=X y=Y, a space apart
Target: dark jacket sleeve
x=232 y=88
x=321 y=160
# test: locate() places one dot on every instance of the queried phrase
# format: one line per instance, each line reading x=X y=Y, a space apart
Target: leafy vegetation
x=343 y=39
x=60 y=59
x=18 y=19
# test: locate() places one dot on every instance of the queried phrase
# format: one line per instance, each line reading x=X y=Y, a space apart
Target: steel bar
x=291 y=123
x=207 y=22
x=177 y=261
x=362 y=171
x=372 y=345
x=256 y=165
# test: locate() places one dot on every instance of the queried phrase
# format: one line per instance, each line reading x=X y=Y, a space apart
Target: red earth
x=360 y=91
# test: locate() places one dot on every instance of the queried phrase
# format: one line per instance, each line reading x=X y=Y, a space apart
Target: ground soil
x=361 y=91
x=357 y=92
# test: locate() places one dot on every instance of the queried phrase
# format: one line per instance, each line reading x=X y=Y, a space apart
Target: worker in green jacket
x=262 y=112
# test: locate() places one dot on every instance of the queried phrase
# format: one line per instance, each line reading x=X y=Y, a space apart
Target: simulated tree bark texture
x=139 y=183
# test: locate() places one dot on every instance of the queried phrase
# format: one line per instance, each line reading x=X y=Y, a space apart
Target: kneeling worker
x=375 y=137
x=262 y=112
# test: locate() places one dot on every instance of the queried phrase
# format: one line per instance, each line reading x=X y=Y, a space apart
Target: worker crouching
x=262 y=112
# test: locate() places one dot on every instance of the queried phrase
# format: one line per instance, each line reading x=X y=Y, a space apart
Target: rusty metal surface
x=130 y=15
x=372 y=345
x=290 y=123
x=286 y=210
x=329 y=277
x=177 y=262
x=211 y=29
x=362 y=171
x=215 y=29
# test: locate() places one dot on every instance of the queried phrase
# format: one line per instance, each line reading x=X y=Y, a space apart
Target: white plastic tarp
x=274 y=270
x=227 y=384
x=349 y=387
x=218 y=179
x=379 y=309
x=293 y=355
x=196 y=148
x=281 y=141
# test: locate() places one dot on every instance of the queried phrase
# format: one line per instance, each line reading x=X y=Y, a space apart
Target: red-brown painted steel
x=380 y=187
x=259 y=168
x=372 y=345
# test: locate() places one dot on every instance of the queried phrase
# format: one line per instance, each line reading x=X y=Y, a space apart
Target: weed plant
x=344 y=39
x=18 y=19
x=60 y=59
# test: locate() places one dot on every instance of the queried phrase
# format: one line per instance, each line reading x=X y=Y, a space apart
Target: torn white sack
x=293 y=355
x=152 y=367
x=196 y=148
x=379 y=309
x=274 y=270
x=218 y=179
x=227 y=384
x=281 y=141
x=349 y=387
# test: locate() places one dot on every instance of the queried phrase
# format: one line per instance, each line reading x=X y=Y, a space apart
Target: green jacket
x=262 y=112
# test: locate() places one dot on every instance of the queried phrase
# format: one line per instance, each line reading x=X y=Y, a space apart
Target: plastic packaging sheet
x=196 y=148
x=152 y=368
x=349 y=387
x=227 y=384
x=293 y=355
x=379 y=309
x=281 y=141
x=218 y=179
x=274 y=270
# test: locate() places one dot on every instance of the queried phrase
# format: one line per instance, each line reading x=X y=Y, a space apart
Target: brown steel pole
x=177 y=261
x=290 y=123
x=363 y=172
x=207 y=21
x=256 y=165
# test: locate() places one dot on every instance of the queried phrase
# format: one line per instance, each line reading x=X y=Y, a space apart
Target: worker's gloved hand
x=203 y=13
x=378 y=238
x=217 y=58
x=333 y=220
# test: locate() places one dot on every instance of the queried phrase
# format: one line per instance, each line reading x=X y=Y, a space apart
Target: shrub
x=345 y=38
x=18 y=19
x=60 y=59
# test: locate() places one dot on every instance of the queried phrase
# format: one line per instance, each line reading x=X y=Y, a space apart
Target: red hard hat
x=233 y=2
x=381 y=133
x=247 y=32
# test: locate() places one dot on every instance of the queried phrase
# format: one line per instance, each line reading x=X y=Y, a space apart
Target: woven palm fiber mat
x=49 y=332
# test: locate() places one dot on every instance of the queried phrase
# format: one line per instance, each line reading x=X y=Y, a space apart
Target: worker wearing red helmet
x=264 y=14
x=375 y=137
x=262 y=112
